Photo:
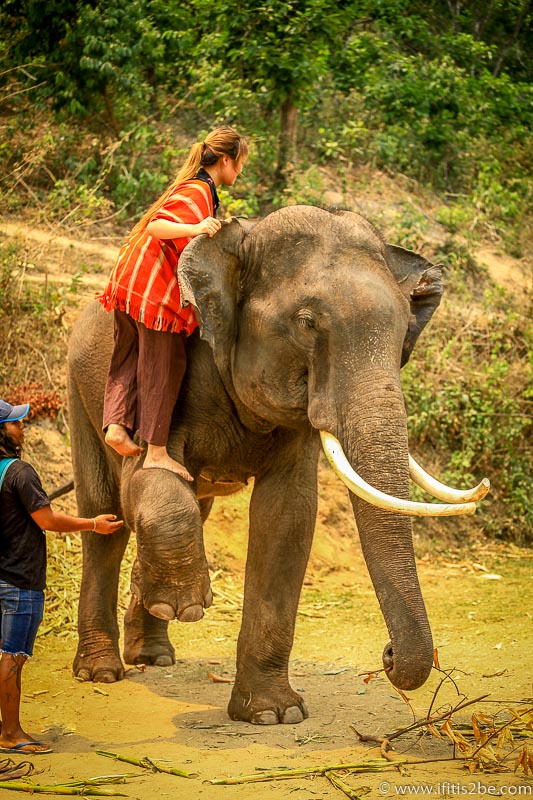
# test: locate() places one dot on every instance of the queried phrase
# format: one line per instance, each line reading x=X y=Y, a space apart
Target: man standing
x=25 y=514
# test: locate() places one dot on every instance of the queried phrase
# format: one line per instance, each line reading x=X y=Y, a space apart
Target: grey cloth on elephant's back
x=22 y=542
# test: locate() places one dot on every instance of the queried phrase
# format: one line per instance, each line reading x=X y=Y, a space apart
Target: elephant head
x=310 y=315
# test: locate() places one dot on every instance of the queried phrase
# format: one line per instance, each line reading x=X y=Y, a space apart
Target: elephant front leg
x=98 y=656
x=282 y=519
x=171 y=576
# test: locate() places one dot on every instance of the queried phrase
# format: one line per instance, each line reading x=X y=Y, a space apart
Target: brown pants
x=144 y=379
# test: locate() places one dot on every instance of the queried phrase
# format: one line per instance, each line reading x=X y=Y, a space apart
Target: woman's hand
x=209 y=225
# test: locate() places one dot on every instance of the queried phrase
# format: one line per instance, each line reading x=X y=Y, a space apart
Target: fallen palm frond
x=84 y=788
x=64 y=580
x=338 y=783
x=148 y=763
x=120 y=778
x=227 y=596
x=370 y=765
x=64 y=568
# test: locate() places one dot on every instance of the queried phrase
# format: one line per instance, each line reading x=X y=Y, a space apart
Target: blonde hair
x=224 y=141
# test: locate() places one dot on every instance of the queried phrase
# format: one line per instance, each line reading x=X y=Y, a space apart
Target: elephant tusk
x=443 y=492
x=356 y=484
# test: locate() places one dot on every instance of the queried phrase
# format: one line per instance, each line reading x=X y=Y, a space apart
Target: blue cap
x=9 y=413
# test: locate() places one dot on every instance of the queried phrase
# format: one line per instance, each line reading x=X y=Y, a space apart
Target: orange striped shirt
x=144 y=280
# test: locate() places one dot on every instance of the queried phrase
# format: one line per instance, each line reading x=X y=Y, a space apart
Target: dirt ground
x=479 y=601
x=482 y=628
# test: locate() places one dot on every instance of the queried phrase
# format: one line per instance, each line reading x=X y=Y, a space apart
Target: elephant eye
x=305 y=319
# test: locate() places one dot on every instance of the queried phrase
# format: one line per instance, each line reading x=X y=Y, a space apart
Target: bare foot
x=158 y=458
x=118 y=438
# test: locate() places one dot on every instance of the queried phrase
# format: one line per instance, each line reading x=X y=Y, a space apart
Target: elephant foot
x=153 y=654
x=119 y=439
x=146 y=638
x=100 y=668
x=268 y=707
x=184 y=606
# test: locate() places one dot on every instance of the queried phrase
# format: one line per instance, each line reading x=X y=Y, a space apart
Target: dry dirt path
x=55 y=257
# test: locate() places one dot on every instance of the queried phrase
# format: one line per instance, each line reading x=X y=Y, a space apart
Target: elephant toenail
x=162 y=611
x=105 y=676
x=191 y=614
x=292 y=715
x=163 y=661
x=265 y=718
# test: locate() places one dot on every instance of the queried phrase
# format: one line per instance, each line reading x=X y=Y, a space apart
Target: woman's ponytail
x=224 y=141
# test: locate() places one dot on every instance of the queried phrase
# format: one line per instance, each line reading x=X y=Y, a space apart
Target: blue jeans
x=21 y=613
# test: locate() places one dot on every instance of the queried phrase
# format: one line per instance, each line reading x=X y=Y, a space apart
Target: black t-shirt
x=22 y=542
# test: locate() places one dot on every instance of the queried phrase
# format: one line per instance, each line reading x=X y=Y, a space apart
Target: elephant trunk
x=389 y=556
x=374 y=439
x=408 y=657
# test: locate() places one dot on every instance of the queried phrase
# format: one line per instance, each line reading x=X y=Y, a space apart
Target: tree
x=278 y=49
x=96 y=55
x=505 y=26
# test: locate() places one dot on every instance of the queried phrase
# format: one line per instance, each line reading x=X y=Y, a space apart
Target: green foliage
x=437 y=113
x=413 y=87
x=19 y=297
x=432 y=119
x=237 y=206
x=408 y=227
x=306 y=188
x=428 y=27
x=90 y=57
x=277 y=48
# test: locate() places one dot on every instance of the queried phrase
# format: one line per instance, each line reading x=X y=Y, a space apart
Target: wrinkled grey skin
x=306 y=318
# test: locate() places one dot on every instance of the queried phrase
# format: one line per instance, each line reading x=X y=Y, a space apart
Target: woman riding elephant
x=149 y=356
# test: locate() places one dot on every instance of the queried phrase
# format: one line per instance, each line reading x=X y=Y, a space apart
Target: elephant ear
x=421 y=282
x=209 y=275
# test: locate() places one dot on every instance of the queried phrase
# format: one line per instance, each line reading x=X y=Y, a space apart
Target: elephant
x=305 y=320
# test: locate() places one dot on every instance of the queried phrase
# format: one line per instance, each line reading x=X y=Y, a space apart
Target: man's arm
x=49 y=520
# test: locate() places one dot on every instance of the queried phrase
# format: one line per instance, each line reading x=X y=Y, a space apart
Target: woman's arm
x=49 y=520
x=165 y=229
